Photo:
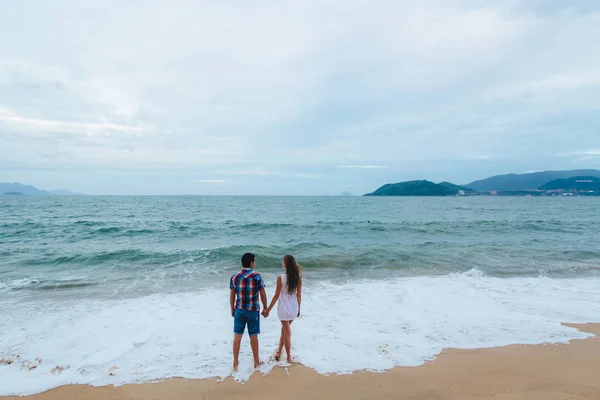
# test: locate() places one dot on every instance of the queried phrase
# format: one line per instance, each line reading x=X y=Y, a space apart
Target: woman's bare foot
x=290 y=360
x=278 y=356
x=256 y=365
x=235 y=366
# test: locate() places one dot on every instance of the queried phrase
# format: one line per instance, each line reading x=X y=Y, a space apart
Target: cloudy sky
x=293 y=97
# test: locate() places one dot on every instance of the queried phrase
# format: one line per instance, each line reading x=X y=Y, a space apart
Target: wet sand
x=544 y=372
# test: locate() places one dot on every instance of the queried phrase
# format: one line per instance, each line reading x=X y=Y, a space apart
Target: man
x=245 y=286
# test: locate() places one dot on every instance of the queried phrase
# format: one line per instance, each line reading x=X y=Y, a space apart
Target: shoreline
x=514 y=372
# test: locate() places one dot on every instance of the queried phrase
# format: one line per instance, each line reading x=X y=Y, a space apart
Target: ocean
x=114 y=290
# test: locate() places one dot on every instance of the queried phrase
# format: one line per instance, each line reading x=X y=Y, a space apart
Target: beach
x=549 y=372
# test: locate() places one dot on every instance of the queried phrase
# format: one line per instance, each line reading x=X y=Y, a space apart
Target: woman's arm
x=275 y=296
x=299 y=295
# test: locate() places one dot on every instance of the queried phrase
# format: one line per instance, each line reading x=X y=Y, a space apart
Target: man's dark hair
x=247 y=259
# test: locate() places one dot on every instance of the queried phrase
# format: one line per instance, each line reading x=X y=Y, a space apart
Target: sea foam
x=359 y=325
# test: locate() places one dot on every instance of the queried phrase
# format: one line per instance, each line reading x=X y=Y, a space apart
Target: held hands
x=267 y=311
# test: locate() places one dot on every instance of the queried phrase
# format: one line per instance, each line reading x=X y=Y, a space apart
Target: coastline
x=553 y=371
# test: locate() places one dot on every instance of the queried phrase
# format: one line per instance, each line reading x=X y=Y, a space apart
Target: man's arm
x=267 y=311
x=263 y=298
x=232 y=301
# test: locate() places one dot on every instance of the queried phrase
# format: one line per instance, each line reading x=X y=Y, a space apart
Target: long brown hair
x=292 y=270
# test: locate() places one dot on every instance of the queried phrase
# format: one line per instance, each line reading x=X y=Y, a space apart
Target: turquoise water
x=135 y=246
x=140 y=285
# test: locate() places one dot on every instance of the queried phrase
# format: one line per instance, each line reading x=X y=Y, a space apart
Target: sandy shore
x=544 y=372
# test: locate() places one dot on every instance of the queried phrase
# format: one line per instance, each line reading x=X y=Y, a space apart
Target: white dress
x=287 y=306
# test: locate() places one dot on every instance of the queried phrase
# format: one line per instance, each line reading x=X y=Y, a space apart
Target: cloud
x=308 y=176
x=590 y=154
x=34 y=124
x=211 y=181
x=249 y=171
x=400 y=89
x=481 y=157
x=594 y=152
x=547 y=90
x=363 y=166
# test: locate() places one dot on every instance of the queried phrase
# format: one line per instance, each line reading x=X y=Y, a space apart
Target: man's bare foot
x=256 y=365
x=235 y=366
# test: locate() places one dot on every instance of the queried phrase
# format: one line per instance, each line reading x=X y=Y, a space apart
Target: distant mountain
x=514 y=182
x=23 y=189
x=414 y=188
x=29 y=190
x=13 y=194
x=578 y=183
x=457 y=188
x=346 y=194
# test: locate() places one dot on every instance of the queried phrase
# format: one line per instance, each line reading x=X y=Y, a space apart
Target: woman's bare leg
x=287 y=339
x=281 y=343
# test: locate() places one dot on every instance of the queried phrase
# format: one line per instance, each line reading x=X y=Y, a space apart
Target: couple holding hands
x=245 y=288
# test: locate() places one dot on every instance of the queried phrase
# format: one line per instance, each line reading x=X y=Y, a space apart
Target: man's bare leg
x=237 y=340
x=254 y=345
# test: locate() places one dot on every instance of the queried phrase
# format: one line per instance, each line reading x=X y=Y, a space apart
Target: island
x=574 y=184
x=526 y=182
x=421 y=188
x=19 y=189
x=548 y=183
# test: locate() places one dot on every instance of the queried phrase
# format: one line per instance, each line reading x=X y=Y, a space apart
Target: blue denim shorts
x=241 y=318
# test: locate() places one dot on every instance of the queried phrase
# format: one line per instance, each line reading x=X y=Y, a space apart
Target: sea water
x=114 y=290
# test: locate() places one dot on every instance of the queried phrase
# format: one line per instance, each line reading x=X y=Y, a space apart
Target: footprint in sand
x=31 y=365
x=58 y=369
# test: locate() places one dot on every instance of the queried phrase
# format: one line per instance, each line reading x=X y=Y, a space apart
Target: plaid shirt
x=247 y=285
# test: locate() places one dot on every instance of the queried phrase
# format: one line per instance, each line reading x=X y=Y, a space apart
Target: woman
x=289 y=294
